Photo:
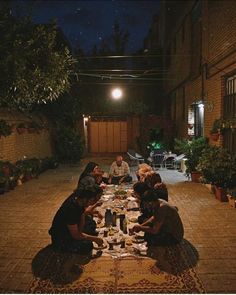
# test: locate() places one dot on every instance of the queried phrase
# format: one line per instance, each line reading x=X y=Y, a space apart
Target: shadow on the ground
x=175 y=259
x=59 y=268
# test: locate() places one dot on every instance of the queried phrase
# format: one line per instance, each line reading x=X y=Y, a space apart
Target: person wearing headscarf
x=91 y=175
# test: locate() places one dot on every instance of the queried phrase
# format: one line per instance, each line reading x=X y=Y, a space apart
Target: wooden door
x=108 y=136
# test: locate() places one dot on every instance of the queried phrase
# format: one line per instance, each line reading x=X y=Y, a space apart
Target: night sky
x=86 y=23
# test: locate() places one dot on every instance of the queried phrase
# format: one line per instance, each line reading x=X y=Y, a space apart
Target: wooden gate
x=107 y=136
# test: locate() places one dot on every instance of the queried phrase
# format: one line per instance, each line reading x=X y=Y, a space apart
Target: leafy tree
x=34 y=67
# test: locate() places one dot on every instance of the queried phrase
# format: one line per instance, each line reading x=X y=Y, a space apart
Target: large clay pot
x=221 y=194
x=215 y=136
x=195 y=175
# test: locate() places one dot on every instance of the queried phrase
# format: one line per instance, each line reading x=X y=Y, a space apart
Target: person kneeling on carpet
x=69 y=232
x=164 y=227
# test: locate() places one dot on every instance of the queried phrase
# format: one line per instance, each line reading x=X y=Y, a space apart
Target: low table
x=117 y=243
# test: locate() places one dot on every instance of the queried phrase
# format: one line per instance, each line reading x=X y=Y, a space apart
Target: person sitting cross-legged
x=164 y=227
x=119 y=171
x=69 y=233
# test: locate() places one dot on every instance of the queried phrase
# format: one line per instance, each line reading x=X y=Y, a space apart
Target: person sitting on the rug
x=139 y=189
x=91 y=175
x=146 y=212
x=119 y=171
x=68 y=231
x=164 y=227
x=154 y=181
x=143 y=169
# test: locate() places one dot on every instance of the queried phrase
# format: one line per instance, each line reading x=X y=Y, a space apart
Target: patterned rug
x=167 y=270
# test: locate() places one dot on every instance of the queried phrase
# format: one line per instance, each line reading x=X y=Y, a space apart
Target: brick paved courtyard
x=26 y=215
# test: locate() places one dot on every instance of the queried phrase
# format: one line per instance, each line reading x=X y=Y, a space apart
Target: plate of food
x=107 y=197
x=138 y=239
x=96 y=247
x=113 y=240
x=100 y=224
x=133 y=219
x=120 y=194
x=131 y=198
x=128 y=242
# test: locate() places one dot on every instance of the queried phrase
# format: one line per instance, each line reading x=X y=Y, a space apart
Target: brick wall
x=218 y=23
x=16 y=146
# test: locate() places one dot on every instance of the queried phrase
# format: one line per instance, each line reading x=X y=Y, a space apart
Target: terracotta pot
x=21 y=130
x=215 y=136
x=221 y=194
x=6 y=171
x=195 y=175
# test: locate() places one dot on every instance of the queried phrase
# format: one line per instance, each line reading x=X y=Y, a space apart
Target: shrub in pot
x=193 y=150
x=216 y=129
x=21 y=128
x=68 y=145
x=5 y=128
x=218 y=168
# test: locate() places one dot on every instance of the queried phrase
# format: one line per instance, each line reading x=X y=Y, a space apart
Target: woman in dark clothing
x=91 y=175
x=154 y=181
x=139 y=189
x=164 y=227
x=68 y=232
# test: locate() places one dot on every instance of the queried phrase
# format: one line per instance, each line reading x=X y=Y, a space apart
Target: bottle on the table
x=122 y=217
x=114 y=218
x=108 y=217
x=125 y=226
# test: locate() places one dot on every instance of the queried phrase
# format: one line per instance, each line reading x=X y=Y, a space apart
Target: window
x=231 y=85
x=229 y=112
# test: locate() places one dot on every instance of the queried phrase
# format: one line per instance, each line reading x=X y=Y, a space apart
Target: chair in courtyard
x=177 y=161
x=169 y=162
x=134 y=157
x=157 y=160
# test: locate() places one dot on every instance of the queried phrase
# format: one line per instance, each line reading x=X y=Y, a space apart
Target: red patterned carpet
x=168 y=270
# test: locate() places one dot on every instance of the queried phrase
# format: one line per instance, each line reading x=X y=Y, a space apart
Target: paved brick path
x=26 y=214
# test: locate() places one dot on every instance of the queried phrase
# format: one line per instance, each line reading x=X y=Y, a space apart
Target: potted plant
x=218 y=168
x=216 y=129
x=5 y=128
x=34 y=127
x=229 y=124
x=21 y=128
x=192 y=149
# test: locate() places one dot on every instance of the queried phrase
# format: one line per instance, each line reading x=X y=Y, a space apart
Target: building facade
x=199 y=68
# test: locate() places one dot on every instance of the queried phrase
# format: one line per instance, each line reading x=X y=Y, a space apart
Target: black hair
x=88 y=169
x=150 y=196
x=140 y=188
x=88 y=193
